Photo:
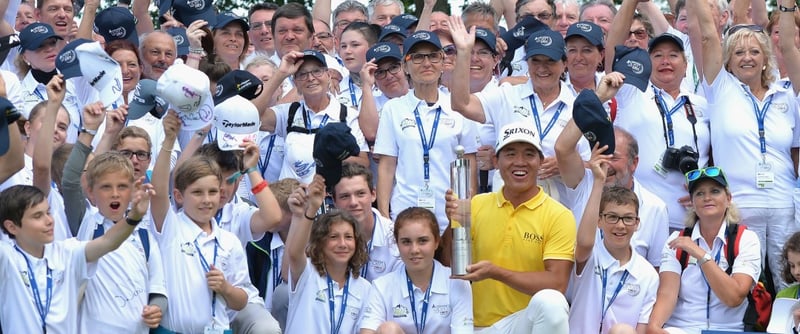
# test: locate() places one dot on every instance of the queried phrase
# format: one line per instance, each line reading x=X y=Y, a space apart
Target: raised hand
x=368 y=74
x=56 y=89
x=251 y=154
x=140 y=202
x=195 y=33
x=598 y=162
x=115 y=120
x=172 y=124
x=93 y=115
x=462 y=38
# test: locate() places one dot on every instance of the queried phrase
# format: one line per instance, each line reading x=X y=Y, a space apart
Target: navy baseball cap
x=665 y=37
x=224 y=19
x=421 y=36
x=333 y=143
x=181 y=40
x=145 y=101
x=67 y=60
x=518 y=35
x=188 y=11
x=405 y=21
x=546 y=42
x=237 y=82
x=33 y=36
x=592 y=119
x=383 y=50
x=315 y=55
x=10 y=115
x=487 y=37
x=391 y=29
x=115 y=23
x=588 y=30
x=635 y=64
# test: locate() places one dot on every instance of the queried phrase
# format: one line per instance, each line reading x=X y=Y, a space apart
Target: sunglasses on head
x=712 y=171
x=751 y=27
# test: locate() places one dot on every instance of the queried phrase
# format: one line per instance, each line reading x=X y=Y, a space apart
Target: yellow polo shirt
x=517 y=239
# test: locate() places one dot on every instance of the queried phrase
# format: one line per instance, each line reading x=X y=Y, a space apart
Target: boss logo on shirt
x=399 y=311
x=407 y=123
x=353 y=311
x=632 y=289
x=321 y=296
x=378 y=266
x=187 y=248
x=782 y=107
x=522 y=111
x=442 y=310
x=532 y=237
x=447 y=121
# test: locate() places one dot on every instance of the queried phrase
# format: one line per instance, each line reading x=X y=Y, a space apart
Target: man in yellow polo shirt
x=523 y=244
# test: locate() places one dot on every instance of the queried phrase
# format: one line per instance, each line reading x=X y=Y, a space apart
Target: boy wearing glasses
x=610 y=279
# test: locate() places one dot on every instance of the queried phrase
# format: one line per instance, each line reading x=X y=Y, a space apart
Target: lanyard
x=262 y=164
x=307 y=120
x=708 y=293
x=427 y=146
x=604 y=307
x=761 y=114
x=353 y=93
x=207 y=268
x=419 y=324
x=543 y=133
x=276 y=269
x=365 y=268
x=38 y=93
x=43 y=308
x=336 y=325
x=696 y=79
x=662 y=108
x=218 y=216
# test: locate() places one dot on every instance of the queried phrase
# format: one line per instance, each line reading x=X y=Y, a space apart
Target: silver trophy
x=460 y=180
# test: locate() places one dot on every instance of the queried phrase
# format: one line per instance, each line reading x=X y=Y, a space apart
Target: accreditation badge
x=765 y=178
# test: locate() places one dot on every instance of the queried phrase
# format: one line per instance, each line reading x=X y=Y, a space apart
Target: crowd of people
x=630 y=170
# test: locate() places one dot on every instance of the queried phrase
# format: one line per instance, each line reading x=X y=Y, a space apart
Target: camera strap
x=666 y=116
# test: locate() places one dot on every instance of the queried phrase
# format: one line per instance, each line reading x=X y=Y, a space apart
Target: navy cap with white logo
x=188 y=11
x=663 y=38
x=315 y=55
x=546 y=42
x=486 y=36
x=392 y=29
x=381 y=51
x=181 y=40
x=588 y=30
x=237 y=82
x=224 y=19
x=405 y=21
x=33 y=36
x=67 y=60
x=518 y=35
x=635 y=64
x=115 y=23
x=421 y=36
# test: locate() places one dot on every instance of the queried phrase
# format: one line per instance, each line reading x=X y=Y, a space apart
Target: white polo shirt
x=79 y=93
x=69 y=269
x=309 y=311
x=235 y=218
x=298 y=163
x=449 y=306
x=690 y=311
x=189 y=296
x=638 y=114
x=649 y=239
x=637 y=293
x=119 y=291
x=399 y=137
x=736 y=142
x=13 y=88
x=383 y=255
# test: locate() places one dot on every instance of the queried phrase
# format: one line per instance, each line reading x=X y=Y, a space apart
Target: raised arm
x=85 y=29
x=115 y=121
x=587 y=230
x=268 y=216
x=160 y=179
x=460 y=98
x=368 y=115
x=321 y=10
x=750 y=12
x=653 y=13
x=791 y=55
x=619 y=30
x=758 y=13
x=424 y=22
x=303 y=203
x=141 y=11
x=705 y=36
x=290 y=63
x=570 y=164
x=43 y=153
x=118 y=233
x=505 y=8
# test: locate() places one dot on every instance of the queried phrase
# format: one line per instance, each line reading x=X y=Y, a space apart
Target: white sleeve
x=461 y=320
x=373 y=313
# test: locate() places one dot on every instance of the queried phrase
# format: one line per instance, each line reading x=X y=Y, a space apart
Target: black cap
x=10 y=114
x=115 y=23
x=635 y=64
x=237 y=82
x=591 y=118
x=333 y=144
x=518 y=35
x=665 y=37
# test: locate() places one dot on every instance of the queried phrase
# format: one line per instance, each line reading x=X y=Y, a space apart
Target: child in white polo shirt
x=613 y=285
x=39 y=278
x=208 y=270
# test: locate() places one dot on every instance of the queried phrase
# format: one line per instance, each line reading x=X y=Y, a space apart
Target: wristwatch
x=704 y=259
x=787 y=9
x=90 y=132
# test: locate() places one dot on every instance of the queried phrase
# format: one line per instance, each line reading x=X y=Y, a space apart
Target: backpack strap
x=342 y=113
x=290 y=127
x=145 y=239
x=732 y=237
x=259 y=262
x=683 y=257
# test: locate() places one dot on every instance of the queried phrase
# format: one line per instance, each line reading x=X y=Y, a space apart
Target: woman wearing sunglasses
x=756 y=126
x=703 y=296
x=417 y=135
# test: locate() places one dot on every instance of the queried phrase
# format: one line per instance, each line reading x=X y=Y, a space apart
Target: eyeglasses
x=233 y=178
x=317 y=73
x=712 y=171
x=344 y=23
x=449 y=50
x=261 y=25
x=381 y=73
x=613 y=219
x=751 y=27
x=418 y=58
x=141 y=155
x=640 y=34
x=323 y=36
x=483 y=53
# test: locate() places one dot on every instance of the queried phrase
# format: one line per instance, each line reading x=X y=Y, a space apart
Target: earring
x=764 y=68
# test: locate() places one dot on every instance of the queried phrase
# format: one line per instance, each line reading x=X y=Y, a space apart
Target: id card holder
x=658 y=167
x=425 y=199
x=214 y=330
x=765 y=178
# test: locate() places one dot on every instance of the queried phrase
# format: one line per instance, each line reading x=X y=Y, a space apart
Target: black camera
x=683 y=159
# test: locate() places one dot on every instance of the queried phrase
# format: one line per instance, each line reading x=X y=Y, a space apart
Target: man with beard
x=158 y=51
x=653 y=230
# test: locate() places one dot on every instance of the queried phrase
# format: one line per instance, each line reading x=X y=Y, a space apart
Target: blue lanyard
x=761 y=114
x=353 y=93
x=419 y=324
x=38 y=93
x=276 y=269
x=336 y=325
x=307 y=120
x=207 y=268
x=427 y=146
x=668 y=114
x=218 y=216
x=708 y=294
x=42 y=308
x=543 y=133
x=262 y=164
x=604 y=307
x=369 y=245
